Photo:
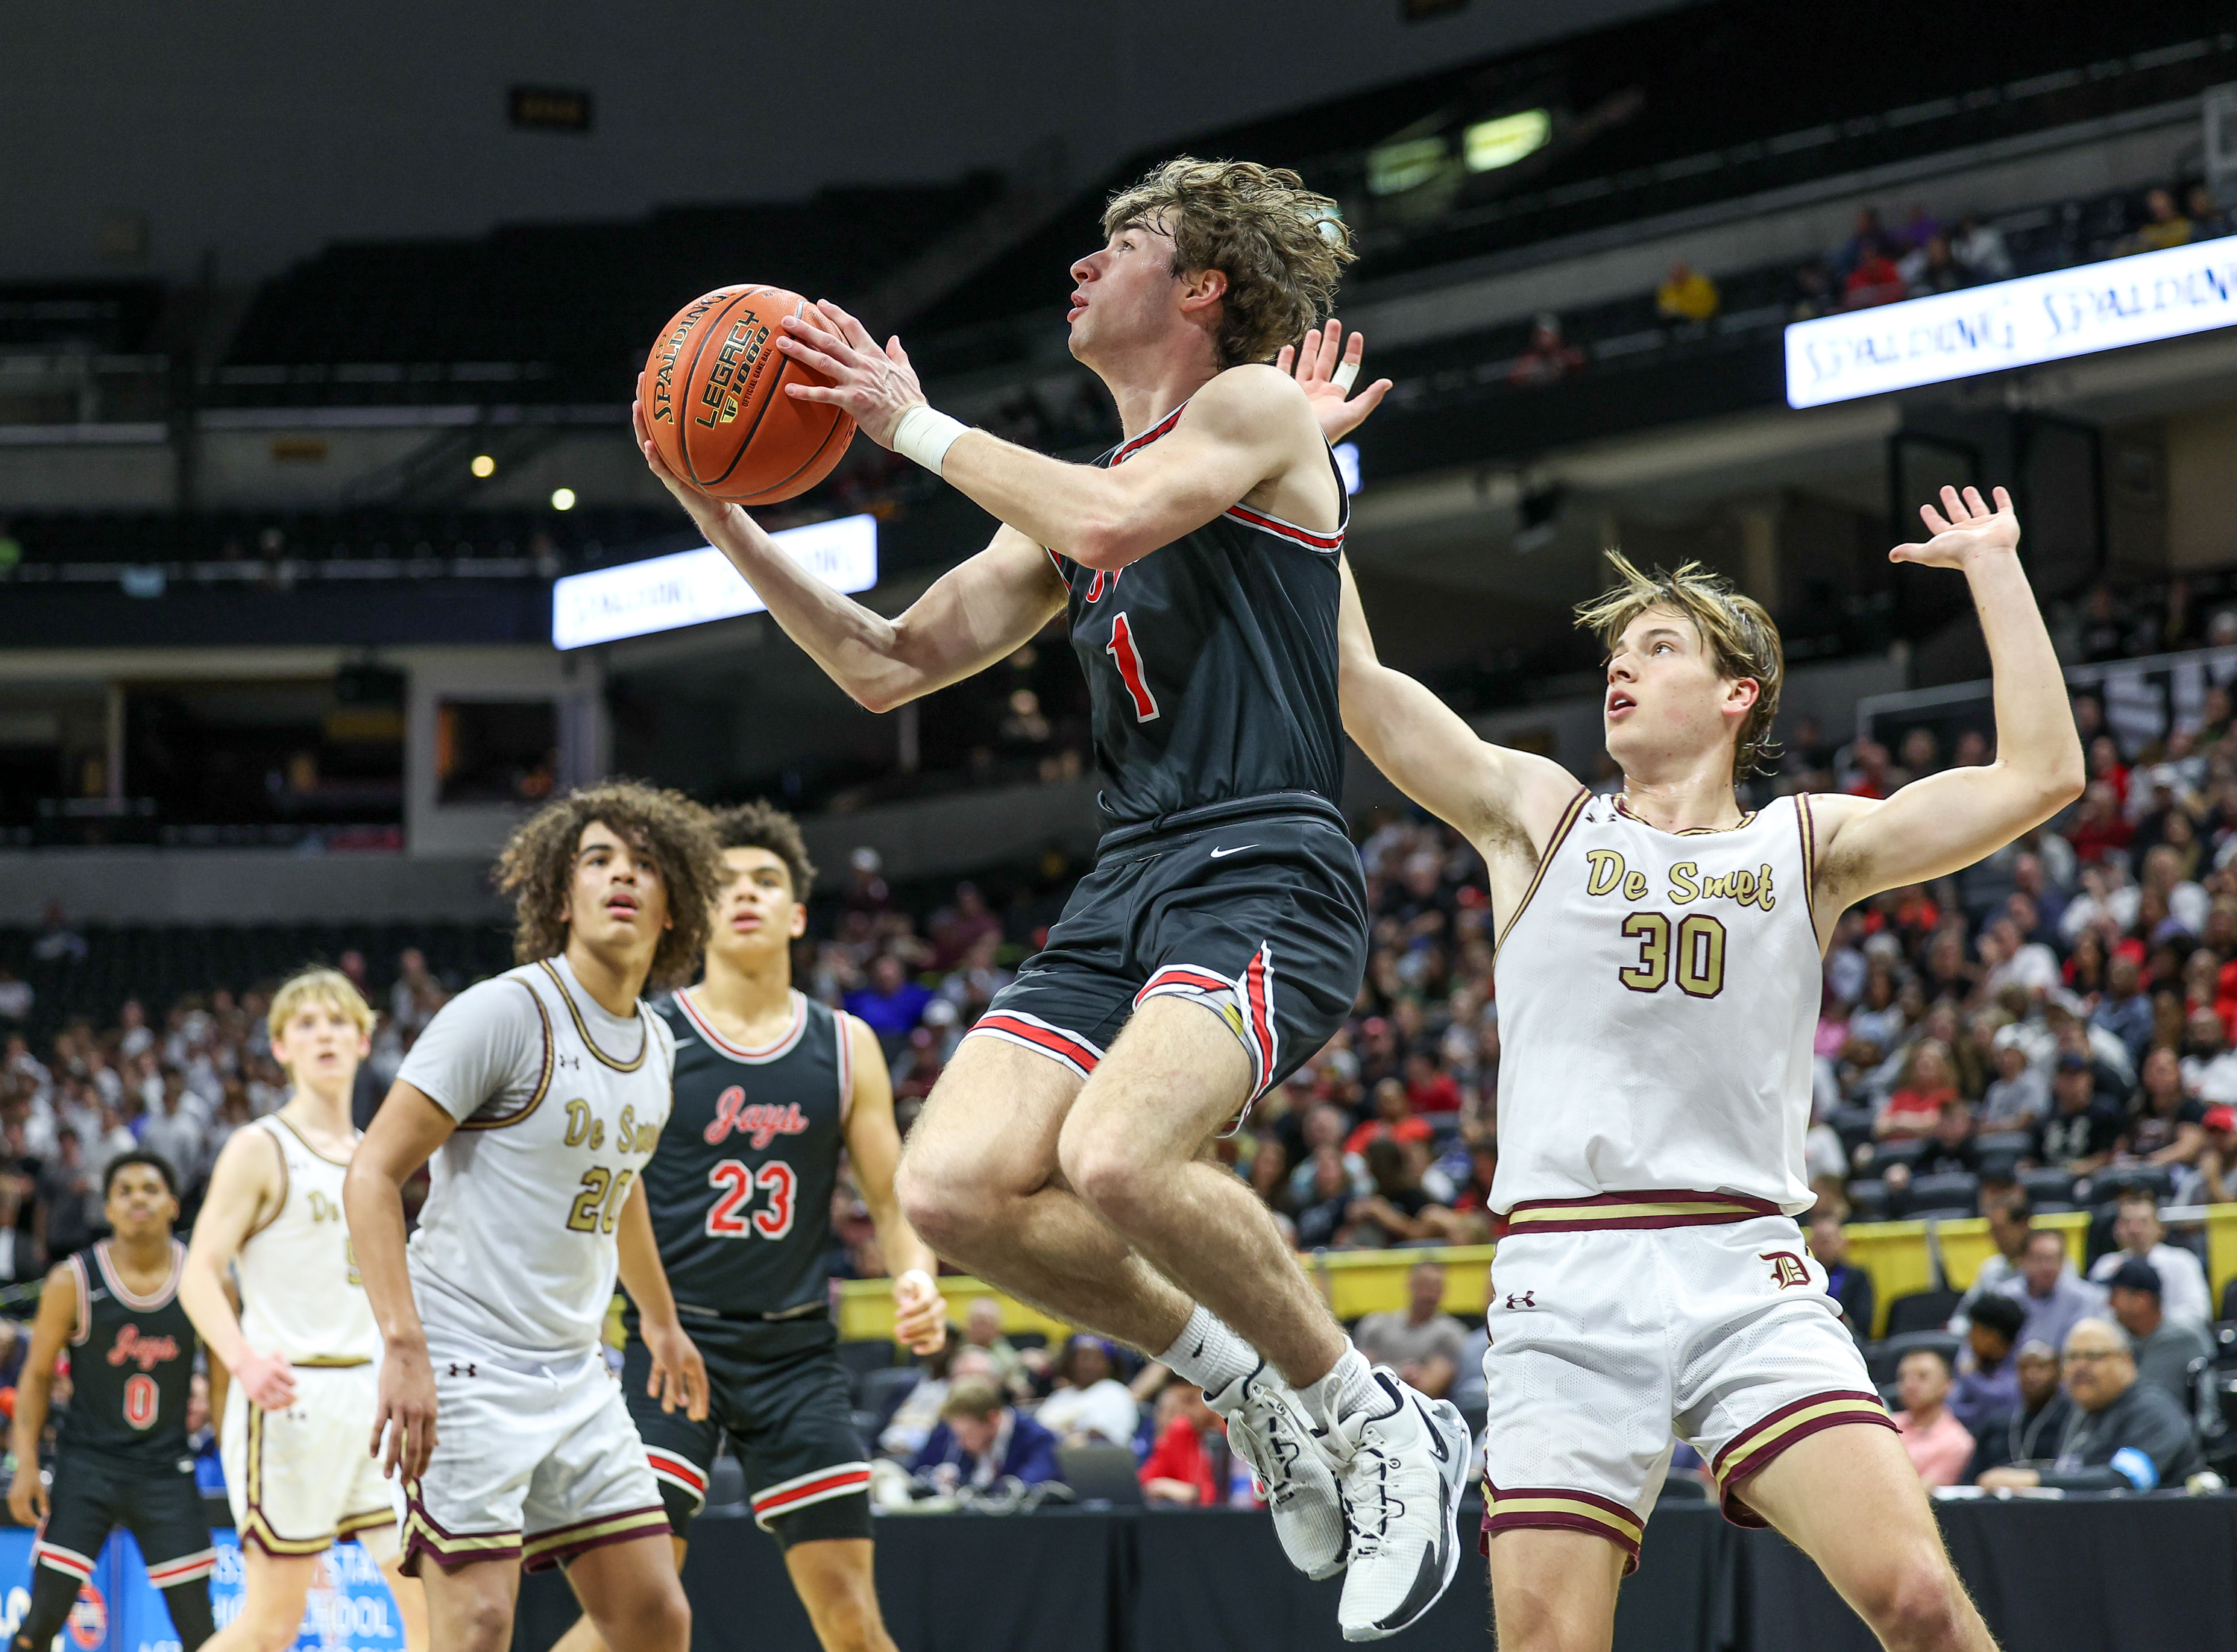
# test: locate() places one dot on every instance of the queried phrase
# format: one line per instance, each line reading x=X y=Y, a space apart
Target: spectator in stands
x=2163 y=1348
x=890 y=1004
x=177 y=1132
x=2053 y=1296
x=1814 y=292
x=1931 y=268
x=1987 y=1390
x=56 y=940
x=1848 y=1284
x=1685 y=295
x=16 y=996
x=2125 y=1435
x=1394 y=1120
x=2211 y=1179
x=2142 y=1237
x=2081 y=1133
x=917 y=1414
x=981 y=1439
x=1396 y=1211
x=1421 y=1342
x=1325 y=1207
x=1089 y=1407
x=416 y=995
x=2018 y=1096
x=2164 y=226
x=2035 y=1430
x=2012 y=1218
x=1926 y=1084
x=1939 y=1445
x=2170 y=1124
x=983 y=1329
x=1182 y=1468
x=66 y=1201
x=2125 y=1011
x=1980 y=247
x=1874 y=280
x=1548 y=358
x=2208 y=220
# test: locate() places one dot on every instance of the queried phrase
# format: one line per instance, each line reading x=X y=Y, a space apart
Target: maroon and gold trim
x=1660 y=1208
x=279 y=1208
x=423 y=1535
x=370 y=1520
x=543 y=1078
x=1552 y=843
x=1556 y=1508
x=583 y=1029
x=1808 y=826
x=1757 y=1446
x=257 y=1528
x=1624 y=808
x=560 y=1544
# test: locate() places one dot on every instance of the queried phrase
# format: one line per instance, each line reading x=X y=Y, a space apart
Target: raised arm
x=982 y=610
x=1947 y=821
x=1489 y=794
x=246 y=1188
x=874 y=1147
x=56 y=1323
x=406 y=1132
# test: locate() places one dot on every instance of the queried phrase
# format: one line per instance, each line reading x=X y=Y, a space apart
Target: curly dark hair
x=538 y=865
x=762 y=824
x=1280 y=245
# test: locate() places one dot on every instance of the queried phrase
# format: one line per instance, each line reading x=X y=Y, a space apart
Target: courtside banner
x=2013 y=324
x=692 y=587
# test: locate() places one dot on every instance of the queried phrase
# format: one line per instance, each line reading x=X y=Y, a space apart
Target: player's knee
x=1107 y=1169
x=667 y=1625
x=485 y=1625
x=949 y=1213
x=1911 y=1602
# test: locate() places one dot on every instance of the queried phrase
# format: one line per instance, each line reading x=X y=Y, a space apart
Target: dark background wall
x=258 y=129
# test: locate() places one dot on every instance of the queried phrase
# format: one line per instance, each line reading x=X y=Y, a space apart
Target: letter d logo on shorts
x=1785 y=1269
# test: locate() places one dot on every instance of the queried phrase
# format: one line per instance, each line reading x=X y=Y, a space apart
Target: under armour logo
x=1522 y=1298
x=456 y=1368
x=1786 y=1267
x=571 y=1060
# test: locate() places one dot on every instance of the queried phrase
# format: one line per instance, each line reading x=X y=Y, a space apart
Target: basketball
x=713 y=392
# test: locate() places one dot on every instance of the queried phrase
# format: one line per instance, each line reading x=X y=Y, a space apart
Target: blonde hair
x=1281 y=246
x=1742 y=643
x=317 y=986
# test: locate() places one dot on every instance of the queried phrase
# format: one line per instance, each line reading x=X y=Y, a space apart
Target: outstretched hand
x=1963 y=528
x=706 y=509
x=872 y=386
x=1314 y=362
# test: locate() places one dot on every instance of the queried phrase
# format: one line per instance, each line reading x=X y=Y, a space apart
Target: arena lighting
x=1489 y=145
x=483 y=466
x=2013 y=324
x=1347 y=461
x=1392 y=169
x=563 y=498
x=692 y=587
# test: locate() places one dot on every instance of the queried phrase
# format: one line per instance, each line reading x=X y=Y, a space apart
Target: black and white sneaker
x=1405 y=1458
x=1267 y=1429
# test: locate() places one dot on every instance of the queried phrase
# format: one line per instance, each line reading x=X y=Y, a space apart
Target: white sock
x=1209 y=1353
x=1347 y=1388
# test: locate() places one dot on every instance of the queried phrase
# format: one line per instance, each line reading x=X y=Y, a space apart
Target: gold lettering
x=1716 y=889
x=1606 y=871
x=1744 y=887
x=1683 y=890
x=1764 y=898
x=1634 y=886
x=578 y=1124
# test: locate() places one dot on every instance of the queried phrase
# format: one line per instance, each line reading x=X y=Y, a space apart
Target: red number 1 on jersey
x=1121 y=648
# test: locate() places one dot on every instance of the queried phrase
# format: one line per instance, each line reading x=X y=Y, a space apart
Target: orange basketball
x=713 y=392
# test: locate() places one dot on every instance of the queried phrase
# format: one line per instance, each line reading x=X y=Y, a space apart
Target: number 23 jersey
x=1657 y=996
x=559 y=1103
x=740 y=1192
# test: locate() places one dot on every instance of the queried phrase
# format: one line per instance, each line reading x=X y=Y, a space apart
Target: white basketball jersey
x=1657 y=994
x=301 y=1295
x=560 y=1103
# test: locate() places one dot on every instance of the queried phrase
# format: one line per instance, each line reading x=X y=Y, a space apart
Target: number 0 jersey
x=741 y=1189
x=559 y=1102
x=1211 y=661
x=132 y=1361
x=1658 y=993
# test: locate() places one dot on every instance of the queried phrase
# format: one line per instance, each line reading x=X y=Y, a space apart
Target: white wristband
x=924 y=435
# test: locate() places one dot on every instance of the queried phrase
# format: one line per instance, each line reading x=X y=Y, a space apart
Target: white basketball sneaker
x=1405 y=1458
x=1267 y=1429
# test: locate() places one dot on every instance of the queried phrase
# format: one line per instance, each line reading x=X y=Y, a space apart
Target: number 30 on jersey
x=735 y=1183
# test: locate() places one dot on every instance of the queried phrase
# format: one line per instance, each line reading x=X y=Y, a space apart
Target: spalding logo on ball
x=713 y=393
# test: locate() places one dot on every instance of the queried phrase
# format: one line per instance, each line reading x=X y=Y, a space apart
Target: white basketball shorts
x=301 y=1479
x=533 y=1460
x=1620 y=1321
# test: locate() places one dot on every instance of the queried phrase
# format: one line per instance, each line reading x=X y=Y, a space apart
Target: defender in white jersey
x=538 y=1095
x=301 y=1355
x=1658 y=978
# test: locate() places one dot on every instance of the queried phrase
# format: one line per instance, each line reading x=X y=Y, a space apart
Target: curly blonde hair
x=1742 y=643
x=537 y=868
x=1281 y=246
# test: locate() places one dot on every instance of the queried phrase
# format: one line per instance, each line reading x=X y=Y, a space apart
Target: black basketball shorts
x=778 y=1393
x=158 y=1503
x=1256 y=909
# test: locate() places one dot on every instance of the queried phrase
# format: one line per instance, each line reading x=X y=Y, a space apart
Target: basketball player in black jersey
x=1220 y=939
x=122 y=1458
x=770 y=1088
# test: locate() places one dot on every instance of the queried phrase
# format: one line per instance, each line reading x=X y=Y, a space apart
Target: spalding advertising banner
x=350 y=1609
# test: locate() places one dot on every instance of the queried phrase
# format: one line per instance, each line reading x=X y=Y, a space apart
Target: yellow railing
x=1895 y=1253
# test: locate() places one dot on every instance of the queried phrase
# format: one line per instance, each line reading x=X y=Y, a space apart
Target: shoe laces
x=1374 y=1508
x=1266 y=1419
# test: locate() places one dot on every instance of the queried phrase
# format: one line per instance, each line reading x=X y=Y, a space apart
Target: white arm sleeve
x=484 y=1052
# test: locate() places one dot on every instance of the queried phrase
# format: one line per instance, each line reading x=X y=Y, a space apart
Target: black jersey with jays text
x=740 y=1187
x=1211 y=661
x=132 y=1362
